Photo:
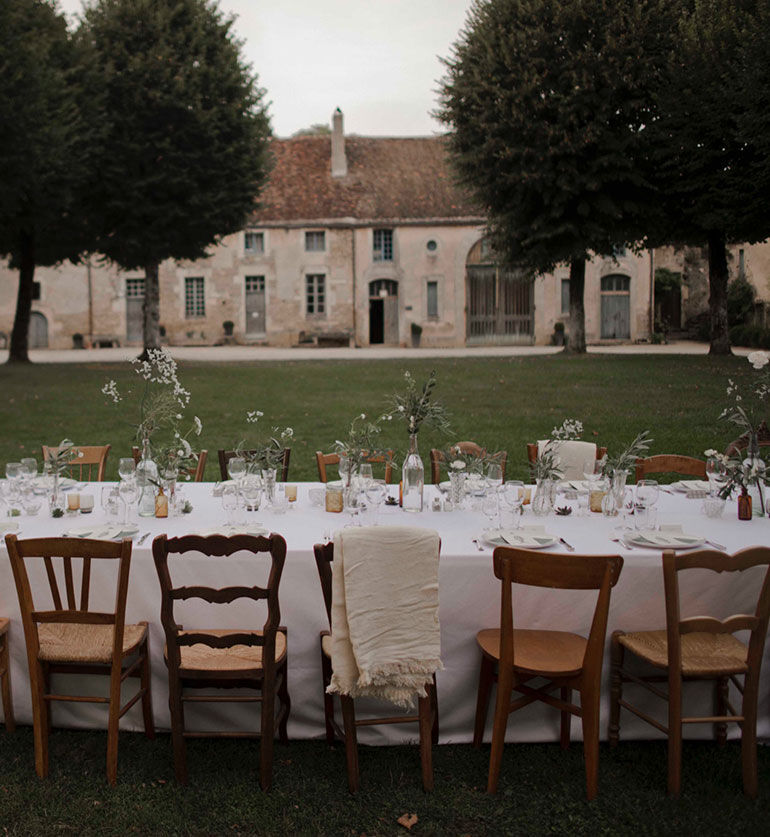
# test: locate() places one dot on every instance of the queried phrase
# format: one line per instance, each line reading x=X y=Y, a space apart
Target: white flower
x=758 y=359
x=710 y=452
x=198 y=425
x=458 y=465
x=110 y=389
x=362 y=416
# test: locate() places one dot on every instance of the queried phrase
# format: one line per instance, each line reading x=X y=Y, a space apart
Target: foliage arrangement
x=415 y=405
x=361 y=441
x=627 y=458
x=161 y=410
x=458 y=460
x=265 y=452
x=546 y=465
x=61 y=457
x=748 y=410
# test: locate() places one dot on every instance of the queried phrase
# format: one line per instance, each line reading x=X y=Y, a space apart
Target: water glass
x=252 y=492
x=129 y=494
x=13 y=470
x=110 y=501
x=495 y=474
x=513 y=496
x=126 y=467
x=365 y=475
x=231 y=501
x=29 y=467
x=236 y=467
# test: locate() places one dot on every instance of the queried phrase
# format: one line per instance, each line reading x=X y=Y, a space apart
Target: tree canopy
x=547 y=101
x=183 y=150
x=43 y=149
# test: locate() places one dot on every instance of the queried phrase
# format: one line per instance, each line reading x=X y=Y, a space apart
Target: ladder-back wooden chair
x=282 y=473
x=739 y=445
x=325 y=460
x=195 y=473
x=76 y=635
x=235 y=658
x=427 y=707
x=88 y=465
x=670 y=463
x=470 y=449
x=565 y=660
x=698 y=648
x=5 y=675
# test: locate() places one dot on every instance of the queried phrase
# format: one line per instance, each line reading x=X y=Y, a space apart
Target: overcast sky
x=378 y=62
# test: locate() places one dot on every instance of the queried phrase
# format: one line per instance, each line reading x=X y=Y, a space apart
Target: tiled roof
x=388 y=179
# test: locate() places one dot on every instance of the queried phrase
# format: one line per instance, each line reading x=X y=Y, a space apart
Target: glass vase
x=268 y=485
x=542 y=502
x=146 y=477
x=56 y=495
x=456 y=488
x=754 y=468
x=413 y=478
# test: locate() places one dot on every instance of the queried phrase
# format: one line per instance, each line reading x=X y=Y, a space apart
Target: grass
x=541 y=790
x=501 y=403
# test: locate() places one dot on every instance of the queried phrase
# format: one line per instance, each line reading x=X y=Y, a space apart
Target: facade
x=356 y=241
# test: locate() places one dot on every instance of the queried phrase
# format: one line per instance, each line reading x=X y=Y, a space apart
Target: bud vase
x=744 y=505
x=413 y=478
x=146 y=476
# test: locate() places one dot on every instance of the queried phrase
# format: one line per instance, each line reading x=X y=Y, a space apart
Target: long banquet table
x=469 y=600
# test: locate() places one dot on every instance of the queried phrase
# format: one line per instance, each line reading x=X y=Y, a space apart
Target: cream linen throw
x=571 y=455
x=385 y=628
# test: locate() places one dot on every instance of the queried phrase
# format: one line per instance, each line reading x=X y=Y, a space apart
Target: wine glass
x=29 y=467
x=646 y=496
x=129 y=494
x=230 y=502
x=365 y=475
x=592 y=470
x=12 y=470
x=126 y=468
x=236 y=468
x=252 y=492
x=490 y=507
x=376 y=494
x=513 y=496
x=494 y=475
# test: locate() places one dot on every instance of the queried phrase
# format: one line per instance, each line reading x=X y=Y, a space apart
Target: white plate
x=104 y=532
x=521 y=538
x=664 y=540
x=42 y=485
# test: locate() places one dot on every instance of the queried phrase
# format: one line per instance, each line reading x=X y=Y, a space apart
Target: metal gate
x=499 y=306
x=616 y=307
x=256 y=311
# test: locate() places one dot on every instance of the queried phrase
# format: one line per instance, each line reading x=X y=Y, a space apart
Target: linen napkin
x=231 y=529
x=526 y=536
x=104 y=532
x=385 y=628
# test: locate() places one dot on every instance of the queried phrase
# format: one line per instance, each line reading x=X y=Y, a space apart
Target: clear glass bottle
x=413 y=478
x=146 y=477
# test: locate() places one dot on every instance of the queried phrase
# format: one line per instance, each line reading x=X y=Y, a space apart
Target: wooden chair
x=218 y=658
x=89 y=466
x=195 y=474
x=532 y=449
x=427 y=707
x=226 y=455
x=324 y=460
x=566 y=660
x=5 y=676
x=698 y=648
x=469 y=448
x=670 y=463
x=737 y=446
x=77 y=636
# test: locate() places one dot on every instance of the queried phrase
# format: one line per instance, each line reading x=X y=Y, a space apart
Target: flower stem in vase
x=413 y=478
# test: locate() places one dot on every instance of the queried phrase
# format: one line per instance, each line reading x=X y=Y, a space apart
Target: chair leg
x=144 y=683
x=566 y=717
x=617 y=652
x=749 y=735
x=5 y=667
x=351 y=741
x=590 y=702
x=113 y=724
x=284 y=702
x=326 y=674
x=674 y=735
x=176 y=711
x=721 y=688
x=40 y=721
x=434 y=712
x=267 y=732
x=426 y=751
x=502 y=710
x=486 y=679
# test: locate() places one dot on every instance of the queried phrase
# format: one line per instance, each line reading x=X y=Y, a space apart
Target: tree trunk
x=720 y=334
x=20 y=333
x=151 y=309
x=576 y=344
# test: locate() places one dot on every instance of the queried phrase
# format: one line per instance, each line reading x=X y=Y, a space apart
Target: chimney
x=339 y=160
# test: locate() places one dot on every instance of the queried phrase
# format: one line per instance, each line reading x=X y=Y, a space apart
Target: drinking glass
x=29 y=467
x=252 y=492
x=490 y=507
x=513 y=496
x=592 y=470
x=376 y=494
x=236 y=468
x=126 y=467
x=12 y=470
x=110 y=498
x=231 y=502
x=365 y=475
x=644 y=503
x=495 y=475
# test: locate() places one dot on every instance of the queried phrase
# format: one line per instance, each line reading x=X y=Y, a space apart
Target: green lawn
x=501 y=403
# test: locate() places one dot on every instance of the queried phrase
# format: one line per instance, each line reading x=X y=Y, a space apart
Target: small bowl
x=713 y=506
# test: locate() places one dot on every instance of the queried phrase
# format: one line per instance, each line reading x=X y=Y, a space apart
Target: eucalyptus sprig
x=628 y=457
x=361 y=441
x=58 y=459
x=268 y=451
x=546 y=466
x=416 y=405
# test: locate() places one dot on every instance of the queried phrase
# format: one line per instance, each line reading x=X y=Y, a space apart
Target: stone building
x=356 y=240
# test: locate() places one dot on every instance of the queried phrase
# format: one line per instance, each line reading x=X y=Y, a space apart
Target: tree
x=708 y=155
x=547 y=102
x=43 y=150
x=184 y=146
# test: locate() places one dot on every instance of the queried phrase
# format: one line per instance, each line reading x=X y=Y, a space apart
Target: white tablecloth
x=469 y=601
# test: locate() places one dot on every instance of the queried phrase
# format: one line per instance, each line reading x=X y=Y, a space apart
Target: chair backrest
x=565 y=572
x=324 y=460
x=68 y=565
x=226 y=455
x=89 y=463
x=718 y=562
x=324 y=555
x=670 y=463
x=196 y=473
x=533 y=448
x=470 y=449
x=219 y=547
x=737 y=446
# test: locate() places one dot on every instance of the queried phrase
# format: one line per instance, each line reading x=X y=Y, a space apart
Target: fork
x=568 y=545
x=623 y=543
x=143 y=538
